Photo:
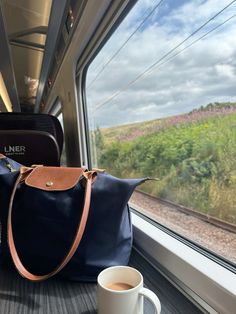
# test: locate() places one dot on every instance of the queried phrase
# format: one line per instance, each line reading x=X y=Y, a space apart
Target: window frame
x=209 y=284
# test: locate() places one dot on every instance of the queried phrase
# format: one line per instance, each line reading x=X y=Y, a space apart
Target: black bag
x=51 y=227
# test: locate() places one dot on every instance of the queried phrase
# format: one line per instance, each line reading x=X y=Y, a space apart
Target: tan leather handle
x=78 y=236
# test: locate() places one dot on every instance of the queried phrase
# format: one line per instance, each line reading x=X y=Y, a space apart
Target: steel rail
x=188 y=211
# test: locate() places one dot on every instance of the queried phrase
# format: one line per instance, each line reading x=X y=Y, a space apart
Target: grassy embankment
x=193 y=155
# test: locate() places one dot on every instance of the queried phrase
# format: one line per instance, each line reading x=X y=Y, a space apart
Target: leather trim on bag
x=50 y=179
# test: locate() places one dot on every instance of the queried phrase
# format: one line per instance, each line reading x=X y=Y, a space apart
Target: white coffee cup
x=121 y=291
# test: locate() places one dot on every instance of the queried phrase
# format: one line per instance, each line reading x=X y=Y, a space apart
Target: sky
x=185 y=76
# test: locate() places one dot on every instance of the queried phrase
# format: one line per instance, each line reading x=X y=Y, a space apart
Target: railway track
x=188 y=211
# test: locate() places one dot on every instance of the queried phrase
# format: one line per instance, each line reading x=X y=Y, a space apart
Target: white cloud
x=202 y=73
x=225 y=71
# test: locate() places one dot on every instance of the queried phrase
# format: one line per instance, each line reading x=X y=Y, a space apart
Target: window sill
x=210 y=284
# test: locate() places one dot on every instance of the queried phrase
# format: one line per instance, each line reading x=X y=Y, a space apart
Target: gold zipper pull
x=9 y=166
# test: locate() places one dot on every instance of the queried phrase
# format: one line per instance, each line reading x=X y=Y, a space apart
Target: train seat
x=31 y=138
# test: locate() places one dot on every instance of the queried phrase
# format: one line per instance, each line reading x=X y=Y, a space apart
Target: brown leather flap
x=54 y=178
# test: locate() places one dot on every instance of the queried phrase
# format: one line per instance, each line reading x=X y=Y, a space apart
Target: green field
x=193 y=155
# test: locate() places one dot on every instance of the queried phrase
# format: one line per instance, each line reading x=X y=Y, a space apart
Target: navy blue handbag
x=65 y=221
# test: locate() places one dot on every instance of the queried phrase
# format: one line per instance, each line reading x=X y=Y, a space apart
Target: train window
x=161 y=102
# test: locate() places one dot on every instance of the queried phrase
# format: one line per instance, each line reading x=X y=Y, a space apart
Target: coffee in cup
x=119 y=286
x=120 y=290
